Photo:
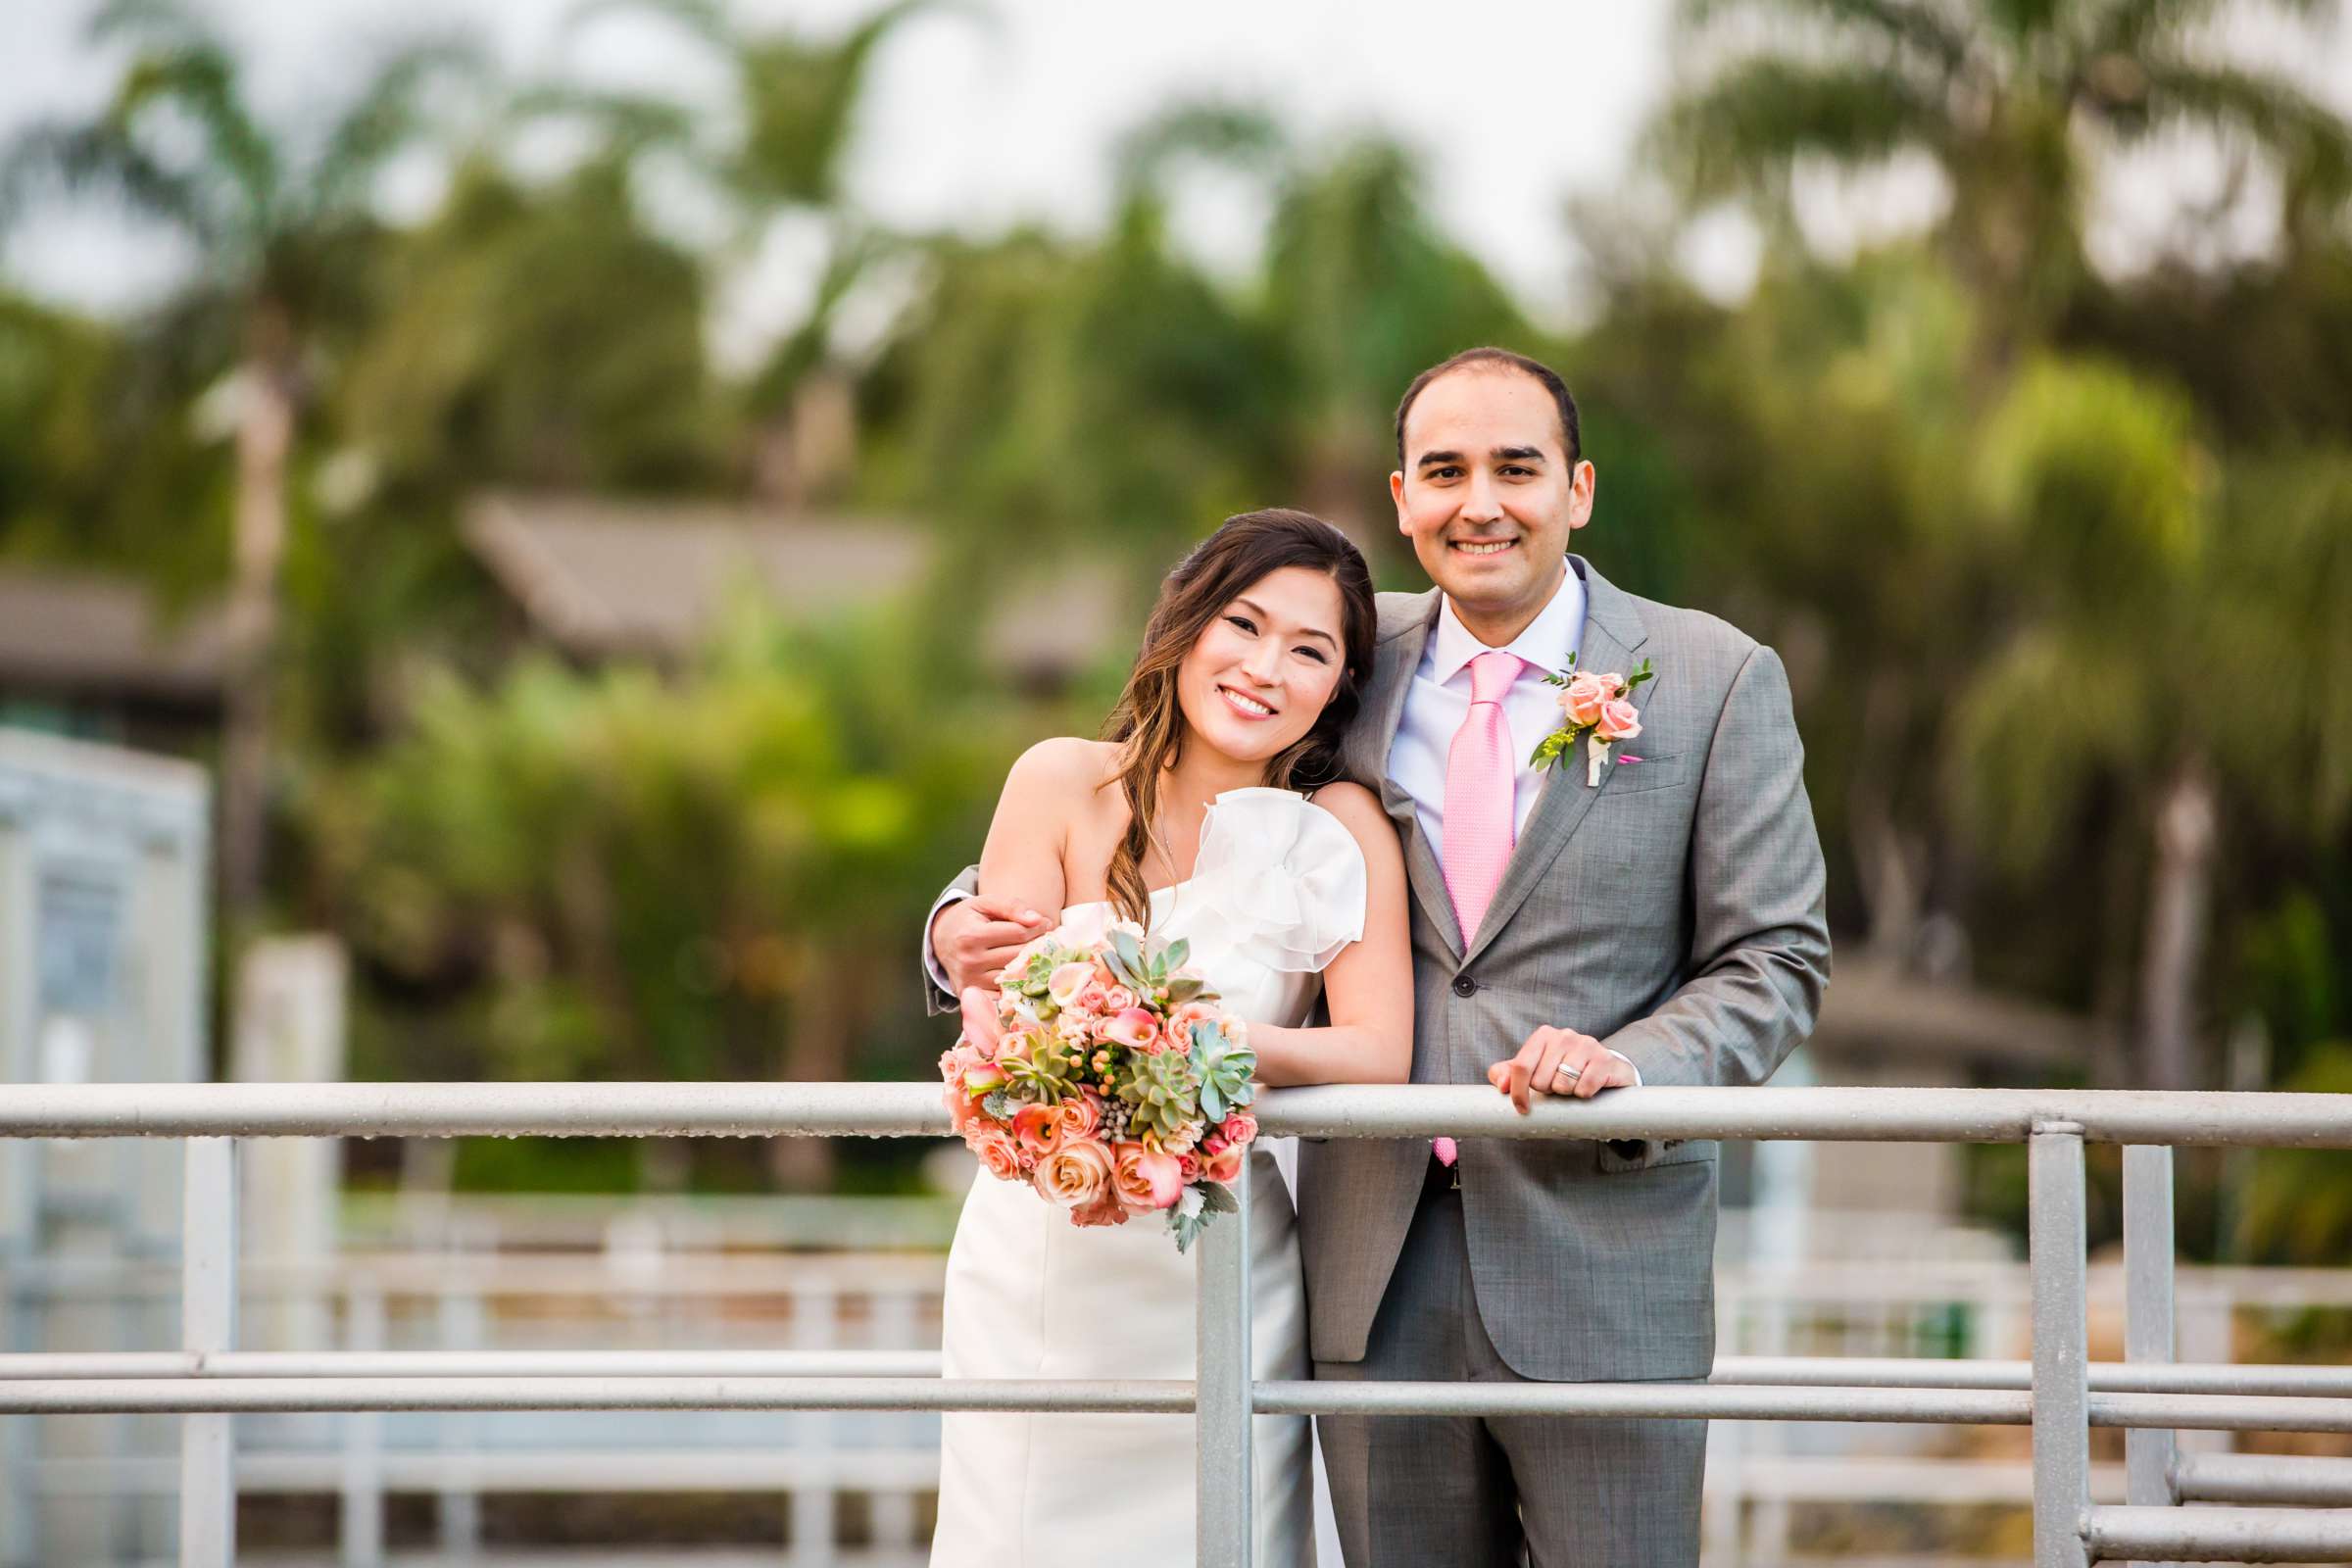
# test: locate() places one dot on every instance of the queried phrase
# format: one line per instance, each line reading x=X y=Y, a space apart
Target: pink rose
x=1144 y=1178
x=1094 y=999
x=1016 y=1046
x=1073 y=1175
x=994 y=1147
x=1037 y=1129
x=1188 y=1167
x=1224 y=1164
x=1134 y=1028
x=1081 y=1114
x=1064 y=984
x=1619 y=721
x=1117 y=999
x=1582 y=697
x=1182 y=1020
x=1238 y=1128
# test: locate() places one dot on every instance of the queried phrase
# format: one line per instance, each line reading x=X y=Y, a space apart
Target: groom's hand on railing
x=1563 y=1062
x=976 y=937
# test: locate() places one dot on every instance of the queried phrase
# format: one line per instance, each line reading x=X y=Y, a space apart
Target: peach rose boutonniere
x=1598 y=706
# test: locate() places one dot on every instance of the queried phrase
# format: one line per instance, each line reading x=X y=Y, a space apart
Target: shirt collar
x=1544 y=643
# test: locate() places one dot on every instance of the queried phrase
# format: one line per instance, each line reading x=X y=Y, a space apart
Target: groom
x=1654 y=917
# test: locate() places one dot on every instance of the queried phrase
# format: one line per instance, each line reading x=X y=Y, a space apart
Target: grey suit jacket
x=1674 y=912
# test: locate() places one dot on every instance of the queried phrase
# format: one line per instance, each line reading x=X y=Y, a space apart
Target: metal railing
x=2062 y=1398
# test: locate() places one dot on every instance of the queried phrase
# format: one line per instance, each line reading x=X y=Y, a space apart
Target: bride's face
x=1256 y=679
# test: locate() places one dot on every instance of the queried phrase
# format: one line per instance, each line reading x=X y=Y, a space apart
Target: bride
x=1210 y=813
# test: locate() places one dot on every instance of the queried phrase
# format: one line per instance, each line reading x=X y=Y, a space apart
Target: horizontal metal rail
x=1330 y=1111
x=1756 y=1371
x=2284 y=1478
x=2218 y=1535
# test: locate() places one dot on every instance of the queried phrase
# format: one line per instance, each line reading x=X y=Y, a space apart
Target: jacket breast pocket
x=1649 y=773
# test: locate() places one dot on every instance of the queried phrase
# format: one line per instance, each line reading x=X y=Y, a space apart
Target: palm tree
x=780 y=152
x=278 y=221
x=2010 y=100
x=2166 y=678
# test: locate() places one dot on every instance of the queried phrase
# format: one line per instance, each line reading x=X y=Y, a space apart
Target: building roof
x=76 y=632
x=1873 y=1011
x=604 y=577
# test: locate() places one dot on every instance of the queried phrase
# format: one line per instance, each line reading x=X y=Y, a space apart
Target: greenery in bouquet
x=1119 y=1086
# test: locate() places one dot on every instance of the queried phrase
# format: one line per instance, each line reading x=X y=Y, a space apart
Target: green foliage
x=2299 y=1203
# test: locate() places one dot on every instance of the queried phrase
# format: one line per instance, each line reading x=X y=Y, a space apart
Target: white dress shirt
x=1440 y=700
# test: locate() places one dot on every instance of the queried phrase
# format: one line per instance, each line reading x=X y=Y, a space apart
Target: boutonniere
x=1599 y=705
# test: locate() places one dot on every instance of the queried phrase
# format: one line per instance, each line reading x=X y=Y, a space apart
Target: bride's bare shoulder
x=1066 y=769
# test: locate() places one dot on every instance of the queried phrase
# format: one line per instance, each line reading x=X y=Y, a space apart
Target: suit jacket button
x=1465 y=986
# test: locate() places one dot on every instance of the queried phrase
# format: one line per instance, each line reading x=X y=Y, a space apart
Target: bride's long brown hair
x=1148 y=723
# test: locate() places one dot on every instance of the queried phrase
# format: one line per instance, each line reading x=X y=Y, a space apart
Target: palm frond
x=391 y=114
x=201 y=82
x=1919 y=28
x=1233 y=135
x=2270 y=111
x=97 y=159
x=1749 y=124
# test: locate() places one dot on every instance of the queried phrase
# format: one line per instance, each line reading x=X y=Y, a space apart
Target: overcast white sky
x=1514 y=104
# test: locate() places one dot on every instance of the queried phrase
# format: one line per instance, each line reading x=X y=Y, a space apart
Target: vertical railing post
x=2056 y=1258
x=207 y=1323
x=1221 y=1391
x=2149 y=1308
x=361 y=1522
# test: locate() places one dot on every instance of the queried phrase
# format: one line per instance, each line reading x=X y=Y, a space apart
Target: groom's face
x=1488 y=495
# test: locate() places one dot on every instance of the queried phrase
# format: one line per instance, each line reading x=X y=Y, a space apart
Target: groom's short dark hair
x=1571 y=434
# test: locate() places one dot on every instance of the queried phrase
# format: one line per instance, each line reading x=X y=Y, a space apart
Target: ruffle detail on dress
x=1278 y=877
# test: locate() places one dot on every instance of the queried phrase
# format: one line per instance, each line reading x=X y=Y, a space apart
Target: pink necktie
x=1479 y=783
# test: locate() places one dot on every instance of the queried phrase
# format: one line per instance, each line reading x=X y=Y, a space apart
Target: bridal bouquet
x=1118 y=1087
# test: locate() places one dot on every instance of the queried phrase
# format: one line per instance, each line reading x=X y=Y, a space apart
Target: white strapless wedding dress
x=1277 y=891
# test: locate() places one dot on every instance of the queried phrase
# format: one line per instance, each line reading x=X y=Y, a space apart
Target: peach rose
x=1096 y=997
x=1582 y=697
x=1619 y=721
x=1081 y=1114
x=1238 y=1128
x=1144 y=1178
x=1074 y=1175
x=1187 y=1169
x=1224 y=1163
x=1016 y=1046
x=1134 y=1028
x=1037 y=1129
x=994 y=1147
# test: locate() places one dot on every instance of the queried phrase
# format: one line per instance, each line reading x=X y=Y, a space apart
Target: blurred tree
x=2010 y=100
x=279 y=223
x=777 y=152
x=656 y=878
x=500 y=358
x=2138 y=652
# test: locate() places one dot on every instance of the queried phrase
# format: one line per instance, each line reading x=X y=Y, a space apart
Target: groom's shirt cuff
x=937 y=970
x=1619 y=1055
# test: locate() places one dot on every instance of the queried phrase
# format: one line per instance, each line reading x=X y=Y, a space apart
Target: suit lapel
x=1398 y=658
x=1612 y=630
